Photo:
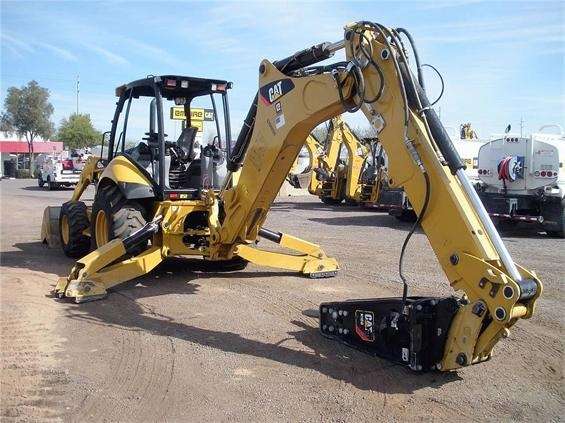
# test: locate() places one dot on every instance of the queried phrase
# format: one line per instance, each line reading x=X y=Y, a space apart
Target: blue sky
x=501 y=61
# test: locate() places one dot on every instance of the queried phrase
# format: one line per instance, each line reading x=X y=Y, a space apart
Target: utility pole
x=521 y=126
x=78 y=90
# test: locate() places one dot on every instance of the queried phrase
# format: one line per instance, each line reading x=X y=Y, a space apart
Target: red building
x=16 y=151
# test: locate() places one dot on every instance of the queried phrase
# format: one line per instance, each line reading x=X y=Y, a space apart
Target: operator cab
x=174 y=129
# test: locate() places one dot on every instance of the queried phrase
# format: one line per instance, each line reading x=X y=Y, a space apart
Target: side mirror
x=104 y=135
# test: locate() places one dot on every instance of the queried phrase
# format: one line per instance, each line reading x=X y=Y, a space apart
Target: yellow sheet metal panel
x=120 y=169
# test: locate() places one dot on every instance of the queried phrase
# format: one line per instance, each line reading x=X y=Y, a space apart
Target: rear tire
x=114 y=217
x=73 y=220
x=232 y=265
x=506 y=225
x=331 y=201
x=51 y=186
x=559 y=233
x=407 y=215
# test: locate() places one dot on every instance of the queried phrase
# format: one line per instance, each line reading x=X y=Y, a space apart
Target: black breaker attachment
x=414 y=336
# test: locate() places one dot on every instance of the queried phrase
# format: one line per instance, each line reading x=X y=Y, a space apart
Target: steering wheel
x=151 y=138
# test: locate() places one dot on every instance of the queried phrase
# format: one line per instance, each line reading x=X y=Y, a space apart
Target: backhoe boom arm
x=292 y=100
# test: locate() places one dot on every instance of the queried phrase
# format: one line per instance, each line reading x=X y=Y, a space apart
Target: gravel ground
x=182 y=345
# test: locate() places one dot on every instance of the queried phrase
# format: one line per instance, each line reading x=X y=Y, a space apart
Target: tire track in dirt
x=32 y=386
x=141 y=369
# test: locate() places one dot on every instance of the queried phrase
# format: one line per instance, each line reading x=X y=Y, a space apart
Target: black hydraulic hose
x=440 y=79
x=298 y=60
x=416 y=57
x=303 y=58
x=438 y=132
x=405 y=244
x=243 y=138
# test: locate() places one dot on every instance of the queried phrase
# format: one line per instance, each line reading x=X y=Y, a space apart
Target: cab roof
x=172 y=86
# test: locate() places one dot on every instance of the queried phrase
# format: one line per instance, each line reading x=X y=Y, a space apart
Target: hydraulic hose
x=416 y=57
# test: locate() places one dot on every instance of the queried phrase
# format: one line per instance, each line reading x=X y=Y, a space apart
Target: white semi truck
x=522 y=179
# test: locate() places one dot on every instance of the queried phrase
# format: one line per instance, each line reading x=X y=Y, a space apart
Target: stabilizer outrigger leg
x=312 y=261
x=98 y=271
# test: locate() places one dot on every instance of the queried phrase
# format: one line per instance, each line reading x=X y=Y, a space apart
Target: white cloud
x=113 y=58
x=530 y=34
x=153 y=52
x=15 y=44
x=431 y=5
x=61 y=52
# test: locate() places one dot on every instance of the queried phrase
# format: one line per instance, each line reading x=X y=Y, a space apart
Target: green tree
x=27 y=112
x=77 y=132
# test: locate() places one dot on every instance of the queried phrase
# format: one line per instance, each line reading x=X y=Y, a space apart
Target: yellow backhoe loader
x=313 y=148
x=373 y=180
x=343 y=168
x=328 y=176
x=295 y=95
x=376 y=191
x=358 y=151
x=166 y=198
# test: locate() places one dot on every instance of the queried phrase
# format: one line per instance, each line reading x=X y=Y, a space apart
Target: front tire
x=73 y=220
x=114 y=217
x=51 y=186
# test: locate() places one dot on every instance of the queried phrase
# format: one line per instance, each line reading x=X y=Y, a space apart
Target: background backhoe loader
x=328 y=176
x=301 y=179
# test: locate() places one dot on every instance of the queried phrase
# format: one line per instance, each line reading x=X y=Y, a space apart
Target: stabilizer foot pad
x=322 y=275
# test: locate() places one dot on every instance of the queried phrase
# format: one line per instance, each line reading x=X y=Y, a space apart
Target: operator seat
x=186 y=141
x=187 y=144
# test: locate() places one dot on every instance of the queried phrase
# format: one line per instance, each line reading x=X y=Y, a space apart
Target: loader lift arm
x=294 y=97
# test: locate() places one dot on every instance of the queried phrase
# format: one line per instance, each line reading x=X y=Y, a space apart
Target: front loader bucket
x=50 y=226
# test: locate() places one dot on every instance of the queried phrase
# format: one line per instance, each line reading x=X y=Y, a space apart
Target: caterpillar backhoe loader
x=327 y=179
x=313 y=148
x=358 y=151
x=374 y=177
x=376 y=191
x=161 y=198
x=296 y=94
x=336 y=180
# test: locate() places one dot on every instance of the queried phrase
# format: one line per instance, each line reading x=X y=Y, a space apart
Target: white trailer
x=522 y=179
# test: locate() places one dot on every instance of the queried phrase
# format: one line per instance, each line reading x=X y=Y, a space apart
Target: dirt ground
x=183 y=345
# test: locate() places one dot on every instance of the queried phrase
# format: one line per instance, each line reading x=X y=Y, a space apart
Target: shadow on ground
x=37 y=188
x=325 y=356
x=312 y=205
x=375 y=220
x=124 y=308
